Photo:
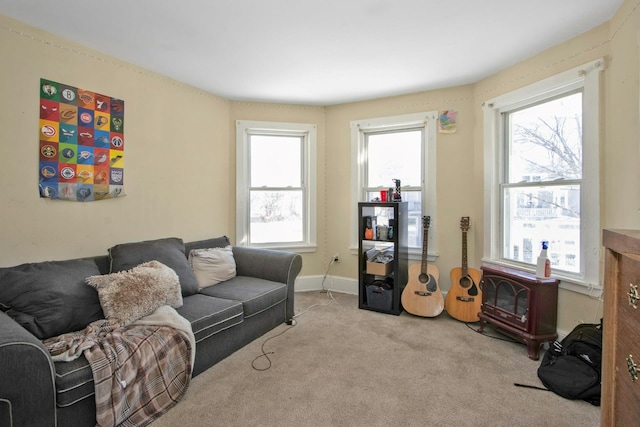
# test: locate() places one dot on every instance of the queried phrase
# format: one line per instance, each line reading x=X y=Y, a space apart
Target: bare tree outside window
x=276 y=193
x=544 y=173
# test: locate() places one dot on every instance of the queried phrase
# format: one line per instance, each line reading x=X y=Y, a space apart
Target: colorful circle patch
x=48 y=151
x=67 y=173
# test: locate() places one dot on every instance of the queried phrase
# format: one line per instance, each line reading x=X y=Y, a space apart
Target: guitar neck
x=425 y=243
x=465 y=268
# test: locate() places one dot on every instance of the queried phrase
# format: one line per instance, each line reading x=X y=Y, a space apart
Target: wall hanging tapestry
x=81 y=144
x=448 y=121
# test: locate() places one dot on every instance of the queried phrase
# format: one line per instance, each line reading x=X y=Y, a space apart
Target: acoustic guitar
x=422 y=295
x=464 y=299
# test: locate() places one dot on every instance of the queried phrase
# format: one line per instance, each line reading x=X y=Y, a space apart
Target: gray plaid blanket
x=140 y=371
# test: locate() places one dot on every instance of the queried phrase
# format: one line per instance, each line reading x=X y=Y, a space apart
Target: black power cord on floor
x=293 y=324
x=495 y=337
x=266 y=354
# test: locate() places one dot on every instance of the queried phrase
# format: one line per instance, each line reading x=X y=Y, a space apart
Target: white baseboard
x=331 y=283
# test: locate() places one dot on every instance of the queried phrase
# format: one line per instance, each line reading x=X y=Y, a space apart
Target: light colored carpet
x=342 y=366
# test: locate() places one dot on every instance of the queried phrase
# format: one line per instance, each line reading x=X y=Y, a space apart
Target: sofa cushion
x=256 y=295
x=216 y=242
x=209 y=316
x=50 y=298
x=212 y=265
x=169 y=251
x=74 y=381
x=126 y=296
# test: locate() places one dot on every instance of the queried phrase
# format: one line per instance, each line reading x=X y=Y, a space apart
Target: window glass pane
x=534 y=214
x=276 y=217
x=275 y=161
x=394 y=155
x=545 y=141
x=414 y=223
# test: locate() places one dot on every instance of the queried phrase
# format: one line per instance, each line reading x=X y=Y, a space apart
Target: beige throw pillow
x=129 y=295
x=212 y=265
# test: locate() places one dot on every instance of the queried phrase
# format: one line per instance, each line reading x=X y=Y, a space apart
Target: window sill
x=567 y=282
x=285 y=247
x=415 y=254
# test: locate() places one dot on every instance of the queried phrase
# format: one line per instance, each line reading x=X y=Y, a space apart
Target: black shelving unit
x=371 y=296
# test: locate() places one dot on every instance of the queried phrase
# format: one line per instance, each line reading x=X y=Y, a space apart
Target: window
x=275 y=184
x=542 y=176
x=398 y=147
x=543 y=179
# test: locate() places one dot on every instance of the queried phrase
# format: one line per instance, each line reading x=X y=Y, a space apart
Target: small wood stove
x=519 y=305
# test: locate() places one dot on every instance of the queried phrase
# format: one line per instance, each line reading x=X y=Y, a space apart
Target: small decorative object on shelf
x=383 y=232
x=368 y=234
x=370 y=227
x=397 y=195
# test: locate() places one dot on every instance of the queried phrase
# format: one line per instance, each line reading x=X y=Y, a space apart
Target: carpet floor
x=342 y=366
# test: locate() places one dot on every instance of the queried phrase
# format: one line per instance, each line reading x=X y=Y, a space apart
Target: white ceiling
x=320 y=52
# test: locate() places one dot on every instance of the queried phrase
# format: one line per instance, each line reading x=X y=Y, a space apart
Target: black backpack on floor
x=572 y=367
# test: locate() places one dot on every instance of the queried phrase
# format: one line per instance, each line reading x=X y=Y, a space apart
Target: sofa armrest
x=275 y=265
x=27 y=388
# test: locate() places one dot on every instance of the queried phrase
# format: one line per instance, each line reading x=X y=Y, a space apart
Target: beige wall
x=177 y=168
x=180 y=153
x=621 y=153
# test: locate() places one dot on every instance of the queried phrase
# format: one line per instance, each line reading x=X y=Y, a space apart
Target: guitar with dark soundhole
x=422 y=295
x=464 y=299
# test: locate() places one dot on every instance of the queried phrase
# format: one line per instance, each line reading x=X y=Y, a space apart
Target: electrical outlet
x=336 y=257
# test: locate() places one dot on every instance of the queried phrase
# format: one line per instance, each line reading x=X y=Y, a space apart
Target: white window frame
x=587 y=77
x=308 y=132
x=427 y=121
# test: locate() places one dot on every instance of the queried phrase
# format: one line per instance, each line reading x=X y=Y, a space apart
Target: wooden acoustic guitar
x=422 y=295
x=464 y=299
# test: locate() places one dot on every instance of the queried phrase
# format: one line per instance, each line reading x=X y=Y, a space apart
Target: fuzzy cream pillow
x=212 y=265
x=129 y=295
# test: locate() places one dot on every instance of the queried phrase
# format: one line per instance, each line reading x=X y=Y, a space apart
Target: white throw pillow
x=212 y=265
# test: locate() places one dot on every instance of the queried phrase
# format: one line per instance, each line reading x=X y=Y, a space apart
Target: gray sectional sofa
x=35 y=391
